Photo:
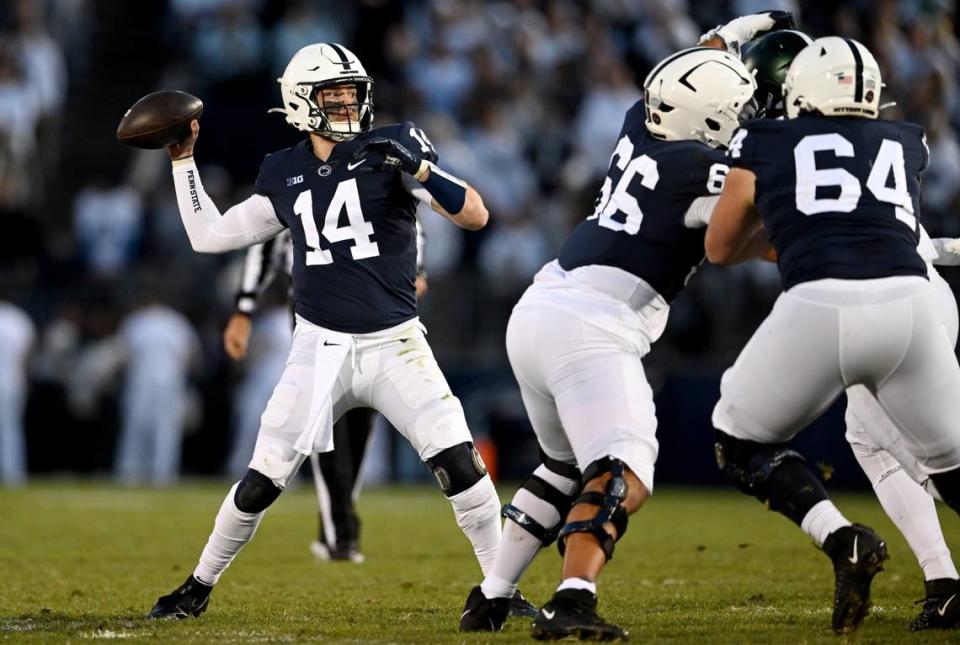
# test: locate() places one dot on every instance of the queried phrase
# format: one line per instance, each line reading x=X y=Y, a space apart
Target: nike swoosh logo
x=327 y=343
x=856 y=556
x=943 y=610
x=351 y=166
x=548 y=614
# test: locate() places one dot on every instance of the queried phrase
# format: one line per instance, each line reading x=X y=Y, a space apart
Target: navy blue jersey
x=353 y=230
x=638 y=225
x=839 y=196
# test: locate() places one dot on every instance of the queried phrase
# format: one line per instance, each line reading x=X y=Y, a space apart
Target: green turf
x=81 y=561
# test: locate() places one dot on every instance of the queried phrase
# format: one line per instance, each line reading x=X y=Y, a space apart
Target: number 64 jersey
x=839 y=196
x=353 y=231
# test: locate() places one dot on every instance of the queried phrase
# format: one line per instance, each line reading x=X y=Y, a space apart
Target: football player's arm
x=736 y=233
x=451 y=197
x=448 y=195
x=739 y=31
x=421 y=279
x=948 y=251
x=249 y=222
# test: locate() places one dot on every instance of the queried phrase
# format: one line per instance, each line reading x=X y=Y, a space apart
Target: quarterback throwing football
x=347 y=194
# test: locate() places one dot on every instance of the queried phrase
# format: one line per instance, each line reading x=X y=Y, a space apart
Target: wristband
x=449 y=192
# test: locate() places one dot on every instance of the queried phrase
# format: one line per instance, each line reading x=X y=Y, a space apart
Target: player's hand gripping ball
x=159 y=119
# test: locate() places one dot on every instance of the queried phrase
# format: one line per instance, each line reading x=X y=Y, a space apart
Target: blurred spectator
x=511 y=254
x=16 y=337
x=159 y=347
x=228 y=44
x=20 y=109
x=300 y=26
x=609 y=97
x=107 y=223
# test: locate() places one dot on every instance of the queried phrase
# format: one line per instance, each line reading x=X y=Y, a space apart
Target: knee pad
x=749 y=463
x=610 y=504
x=773 y=473
x=549 y=494
x=457 y=468
x=255 y=493
x=948 y=487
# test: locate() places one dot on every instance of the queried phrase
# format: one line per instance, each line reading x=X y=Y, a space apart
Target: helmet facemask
x=327 y=119
x=323 y=66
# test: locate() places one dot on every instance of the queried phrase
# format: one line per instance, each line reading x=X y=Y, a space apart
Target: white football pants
x=576 y=353
x=829 y=335
x=328 y=372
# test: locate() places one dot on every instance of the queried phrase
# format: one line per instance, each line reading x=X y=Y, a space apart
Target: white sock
x=911 y=508
x=518 y=547
x=478 y=515
x=822 y=520
x=578 y=583
x=231 y=531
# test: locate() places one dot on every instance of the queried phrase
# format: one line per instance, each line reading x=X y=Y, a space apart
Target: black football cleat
x=941 y=607
x=858 y=554
x=189 y=599
x=520 y=607
x=572 y=613
x=482 y=614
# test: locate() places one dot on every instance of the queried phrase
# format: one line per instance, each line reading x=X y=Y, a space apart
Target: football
x=159 y=119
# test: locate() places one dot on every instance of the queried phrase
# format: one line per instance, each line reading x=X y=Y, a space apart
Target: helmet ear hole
x=713 y=125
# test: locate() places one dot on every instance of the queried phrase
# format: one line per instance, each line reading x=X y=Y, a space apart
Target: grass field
x=82 y=561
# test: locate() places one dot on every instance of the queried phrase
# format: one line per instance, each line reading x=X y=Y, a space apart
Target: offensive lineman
x=840 y=209
x=872 y=436
x=576 y=338
x=348 y=196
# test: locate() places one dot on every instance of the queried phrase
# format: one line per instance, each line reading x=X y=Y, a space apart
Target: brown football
x=159 y=119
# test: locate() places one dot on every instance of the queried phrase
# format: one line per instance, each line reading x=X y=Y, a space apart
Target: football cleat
x=482 y=614
x=941 y=607
x=348 y=553
x=572 y=613
x=858 y=554
x=520 y=607
x=189 y=599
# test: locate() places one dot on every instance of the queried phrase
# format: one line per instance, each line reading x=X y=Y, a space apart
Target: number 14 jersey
x=641 y=223
x=353 y=231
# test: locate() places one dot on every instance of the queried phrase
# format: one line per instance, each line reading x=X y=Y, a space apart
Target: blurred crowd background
x=523 y=98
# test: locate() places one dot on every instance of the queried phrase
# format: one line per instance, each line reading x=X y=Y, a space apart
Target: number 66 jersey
x=652 y=210
x=353 y=231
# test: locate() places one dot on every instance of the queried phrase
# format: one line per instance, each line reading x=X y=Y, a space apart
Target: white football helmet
x=313 y=68
x=834 y=76
x=701 y=94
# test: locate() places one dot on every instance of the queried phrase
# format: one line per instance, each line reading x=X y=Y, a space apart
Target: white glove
x=745 y=28
x=948 y=251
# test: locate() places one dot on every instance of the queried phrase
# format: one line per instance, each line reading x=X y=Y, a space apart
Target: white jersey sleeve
x=250 y=222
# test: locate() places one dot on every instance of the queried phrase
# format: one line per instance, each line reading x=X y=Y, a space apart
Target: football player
x=891 y=471
x=336 y=474
x=576 y=339
x=347 y=194
x=837 y=193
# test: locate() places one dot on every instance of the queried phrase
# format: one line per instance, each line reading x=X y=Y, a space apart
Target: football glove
x=395 y=155
x=742 y=30
x=948 y=251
